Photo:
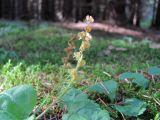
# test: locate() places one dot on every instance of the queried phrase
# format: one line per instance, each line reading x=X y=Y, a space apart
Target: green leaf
x=24 y=97
x=131 y=107
x=31 y=118
x=74 y=95
x=137 y=78
x=154 y=70
x=81 y=108
x=108 y=87
x=18 y=101
x=128 y=75
x=6 y=116
x=8 y=107
x=92 y=115
x=157 y=117
x=73 y=117
x=142 y=82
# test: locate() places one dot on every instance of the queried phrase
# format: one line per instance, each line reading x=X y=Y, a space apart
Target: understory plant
x=85 y=38
x=80 y=107
x=101 y=100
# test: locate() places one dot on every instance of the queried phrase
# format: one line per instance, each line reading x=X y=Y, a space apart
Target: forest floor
x=36 y=54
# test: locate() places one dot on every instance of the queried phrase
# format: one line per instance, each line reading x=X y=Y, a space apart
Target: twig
x=123 y=116
x=39 y=116
x=110 y=110
x=104 y=87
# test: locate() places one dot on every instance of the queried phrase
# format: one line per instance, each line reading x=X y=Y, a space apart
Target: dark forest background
x=143 y=13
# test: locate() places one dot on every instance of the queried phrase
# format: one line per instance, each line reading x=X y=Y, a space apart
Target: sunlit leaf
x=131 y=107
x=6 y=116
x=136 y=78
x=74 y=95
x=18 y=102
x=108 y=87
x=154 y=71
x=81 y=108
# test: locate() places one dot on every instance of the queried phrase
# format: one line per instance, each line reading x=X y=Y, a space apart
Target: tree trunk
x=34 y=7
x=114 y=11
x=67 y=9
x=59 y=10
x=39 y=7
x=48 y=9
x=6 y=9
x=0 y=8
x=146 y=13
x=158 y=16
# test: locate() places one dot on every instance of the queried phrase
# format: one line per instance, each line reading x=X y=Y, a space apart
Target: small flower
x=77 y=55
x=81 y=63
x=84 y=45
x=88 y=37
x=89 y=19
x=88 y=29
x=81 y=35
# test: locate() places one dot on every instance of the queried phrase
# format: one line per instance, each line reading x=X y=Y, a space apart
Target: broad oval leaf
x=8 y=107
x=154 y=70
x=131 y=107
x=108 y=87
x=81 y=108
x=137 y=78
x=74 y=95
x=102 y=115
x=6 y=116
x=18 y=101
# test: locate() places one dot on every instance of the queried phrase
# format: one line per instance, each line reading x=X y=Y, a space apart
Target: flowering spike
x=85 y=36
